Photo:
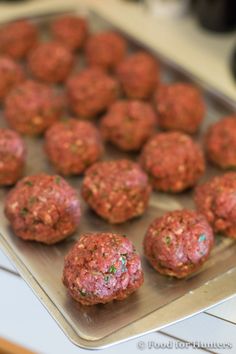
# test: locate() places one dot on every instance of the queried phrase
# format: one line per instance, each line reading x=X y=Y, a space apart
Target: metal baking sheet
x=161 y=300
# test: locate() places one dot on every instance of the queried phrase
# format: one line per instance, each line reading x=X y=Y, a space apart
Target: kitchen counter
x=23 y=319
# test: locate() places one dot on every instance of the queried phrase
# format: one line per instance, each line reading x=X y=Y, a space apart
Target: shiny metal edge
x=210 y=294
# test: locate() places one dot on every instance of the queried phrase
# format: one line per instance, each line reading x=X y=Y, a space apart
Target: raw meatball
x=105 y=49
x=102 y=267
x=43 y=208
x=12 y=157
x=178 y=243
x=139 y=75
x=221 y=143
x=179 y=106
x=91 y=92
x=216 y=199
x=51 y=62
x=116 y=190
x=11 y=74
x=73 y=146
x=18 y=38
x=128 y=124
x=31 y=108
x=173 y=161
x=70 y=31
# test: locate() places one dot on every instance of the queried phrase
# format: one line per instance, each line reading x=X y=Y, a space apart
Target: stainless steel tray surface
x=102 y=325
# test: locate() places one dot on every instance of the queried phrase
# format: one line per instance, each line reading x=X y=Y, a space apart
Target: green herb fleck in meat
x=74 y=148
x=32 y=200
x=82 y=292
x=29 y=183
x=24 y=211
x=167 y=240
x=112 y=269
x=202 y=238
x=106 y=278
x=57 y=180
x=124 y=262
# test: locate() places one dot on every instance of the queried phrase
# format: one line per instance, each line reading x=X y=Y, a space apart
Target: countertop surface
x=22 y=318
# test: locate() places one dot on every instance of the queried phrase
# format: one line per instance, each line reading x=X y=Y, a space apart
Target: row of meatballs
x=172 y=160
x=111 y=73
x=102 y=267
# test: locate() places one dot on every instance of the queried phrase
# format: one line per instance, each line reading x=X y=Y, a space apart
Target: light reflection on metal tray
x=161 y=300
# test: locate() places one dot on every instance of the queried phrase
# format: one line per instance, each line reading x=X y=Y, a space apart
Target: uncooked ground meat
x=179 y=106
x=220 y=143
x=216 y=199
x=51 y=62
x=105 y=49
x=139 y=75
x=91 y=92
x=129 y=124
x=173 y=161
x=178 y=243
x=43 y=208
x=12 y=157
x=116 y=190
x=72 y=31
x=102 y=267
x=11 y=74
x=32 y=107
x=18 y=38
x=72 y=146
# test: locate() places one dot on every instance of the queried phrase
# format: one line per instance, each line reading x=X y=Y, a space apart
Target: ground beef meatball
x=18 y=38
x=91 y=92
x=180 y=106
x=105 y=49
x=178 y=243
x=216 y=199
x=51 y=62
x=32 y=107
x=220 y=143
x=129 y=124
x=173 y=161
x=43 y=208
x=116 y=190
x=71 y=31
x=139 y=75
x=102 y=267
x=73 y=146
x=11 y=74
x=12 y=157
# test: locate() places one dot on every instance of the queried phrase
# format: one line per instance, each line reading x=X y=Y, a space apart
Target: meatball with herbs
x=72 y=146
x=91 y=92
x=51 y=62
x=11 y=74
x=32 y=107
x=179 y=106
x=220 y=143
x=18 y=38
x=129 y=124
x=71 y=31
x=12 y=157
x=139 y=75
x=105 y=49
x=173 y=161
x=216 y=199
x=102 y=267
x=43 y=208
x=116 y=190
x=178 y=243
